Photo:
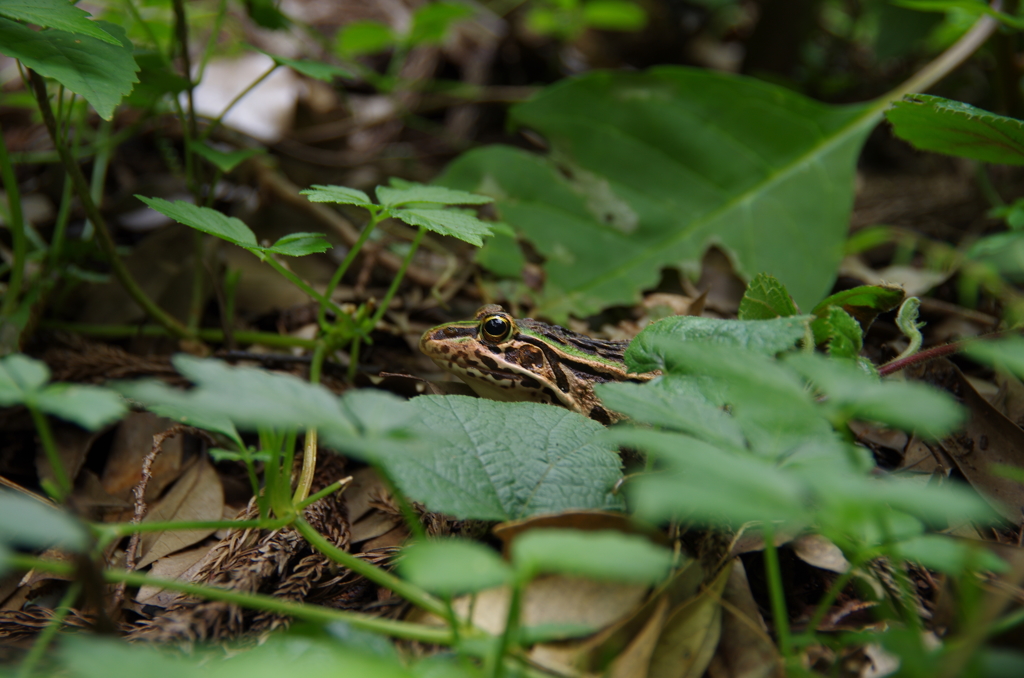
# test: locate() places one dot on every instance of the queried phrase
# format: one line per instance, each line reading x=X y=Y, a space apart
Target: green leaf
x=224 y=161
x=768 y=337
x=603 y=555
x=56 y=14
x=155 y=80
x=317 y=70
x=949 y=556
x=90 y=407
x=300 y=244
x=853 y=394
x=446 y=222
x=1006 y=354
x=27 y=522
x=406 y=192
x=19 y=376
x=453 y=567
x=363 y=37
x=341 y=195
x=864 y=303
x=183 y=411
x=614 y=15
x=504 y=461
x=766 y=298
x=501 y=255
x=674 y=404
x=648 y=169
x=840 y=332
x=430 y=22
x=99 y=72
x=1002 y=251
x=932 y=123
x=204 y=219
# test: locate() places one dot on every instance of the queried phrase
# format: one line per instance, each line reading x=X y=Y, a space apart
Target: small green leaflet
x=224 y=161
x=452 y=567
x=311 y=69
x=23 y=381
x=766 y=298
x=406 y=192
x=341 y=195
x=59 y=14
x=603 y=555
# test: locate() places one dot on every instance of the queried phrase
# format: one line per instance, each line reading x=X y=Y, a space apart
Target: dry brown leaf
x=820 y=552
x=745 y=649
x=73 y=445
x=181 y=566
x=635 y=660
x=133 y=440
x=576 y=520
x=197 y=495
x=691 y=633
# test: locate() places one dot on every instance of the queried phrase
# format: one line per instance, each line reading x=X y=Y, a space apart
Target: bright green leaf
x=204 y=219
x=300 y=244
x=56 y=14
x=648 y=169
x=1006 y=354
x=27 y=522
x=405 y=192
x=446 y=222
x=948 y=555
x=766 y=298
x=501 y=255
x=222 y=160
x=768 y=337
x=877 y=298
x=603 y=555
x=317 y=70
x=363 y=37
x=614 y=15
x=503 y=461
x=341 y=195
x=431 y=21
x=840 y=332
x=99 y=72
x=453 y=567
x=932 y=123
x=19 y=376
x=90 y=407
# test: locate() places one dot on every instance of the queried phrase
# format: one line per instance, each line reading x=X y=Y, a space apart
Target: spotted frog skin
x=526 y=360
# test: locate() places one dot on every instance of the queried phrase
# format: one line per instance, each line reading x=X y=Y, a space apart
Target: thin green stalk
x=215 y=123
x=375 y=218
x=17 y=225
x=211 y=44
x=309 y=448
x=507 y=638
x=101 y=161
x=119 y=530
x=377 y=575
x=330 y=489
x=255 y=601
x=60 y=227
x=133 y=10
x=210 y=335
x=398 y=277
x=301 y=284
x=778 y=599
x=195 y=307
x=104 y=238
x=42 y=643
x=50 y=448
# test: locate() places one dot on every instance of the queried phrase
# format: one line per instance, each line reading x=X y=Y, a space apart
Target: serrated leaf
x=838 y=330
x=768 y=337
x=853 y=394
x=446 y=222
x=20 y=376
x=452 y=567
x=504 y=461
x=406 y=192
x=224 y=161
x=648 y=169
x=932 y=123
x=341 y=195
x=317 y=70
x=56 y=14
x=99 y=72
x=766 y=298
x=300 y=244
x=204 y=219
x=603 y=555
x=155 y=80
x=90 y=407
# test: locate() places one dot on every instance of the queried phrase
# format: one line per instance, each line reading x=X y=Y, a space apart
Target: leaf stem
x=215 y=123
x=50 y=448
x=17 y=226
x=377 y=575
x=398 y=278
x=49 y=631
x=103 y=236
x=299 y=282
x=375 y=218
x=508 y=636
x=780 y=616
x=255 y=601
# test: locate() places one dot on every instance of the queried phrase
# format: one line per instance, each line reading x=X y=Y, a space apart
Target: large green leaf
x=648 y=169
x=932 y=123
x=55 y=14
x=503 y=461
x=96 y=70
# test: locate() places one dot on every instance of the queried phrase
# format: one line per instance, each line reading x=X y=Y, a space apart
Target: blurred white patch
x=264 y=113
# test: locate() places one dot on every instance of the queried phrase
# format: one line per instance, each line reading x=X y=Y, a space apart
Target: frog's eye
x=495 y=328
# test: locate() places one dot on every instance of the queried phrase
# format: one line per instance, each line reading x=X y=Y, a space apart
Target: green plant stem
x=300 y=283
x=103 y=236
x=507 y=637
x=330 y=489
x=375 y=218
x=60 y=227
x=398 y=278
x=215 y=123
x=211 y=44
x=118 y=530
x=52 y=455
x=773 y=574
x=17 y=225
x=195 y=307
x=211 y=335
x=255 y=601
x=48 y=633
x=377 y=575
